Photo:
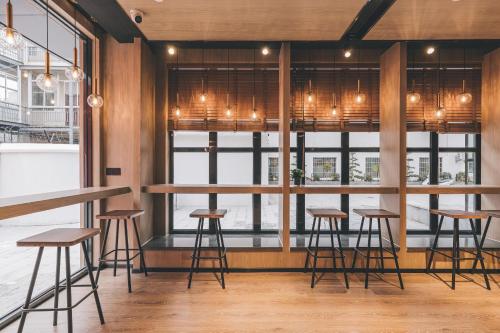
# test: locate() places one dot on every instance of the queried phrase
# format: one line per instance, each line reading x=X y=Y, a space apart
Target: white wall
x=38 y=168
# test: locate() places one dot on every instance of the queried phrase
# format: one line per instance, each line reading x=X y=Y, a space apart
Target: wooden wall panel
x=393 y=136
x=490 y=133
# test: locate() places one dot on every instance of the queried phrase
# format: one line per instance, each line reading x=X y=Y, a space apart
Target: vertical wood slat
x=284 y=145
x=393 y=136
x=490 y=133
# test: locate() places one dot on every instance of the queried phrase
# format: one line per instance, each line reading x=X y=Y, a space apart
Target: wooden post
x=393 y=136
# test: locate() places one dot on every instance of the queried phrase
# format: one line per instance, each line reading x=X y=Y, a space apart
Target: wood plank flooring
x=281 y=302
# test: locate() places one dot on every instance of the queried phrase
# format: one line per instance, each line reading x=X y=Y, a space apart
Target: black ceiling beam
x=112 y=18
x=367 y=17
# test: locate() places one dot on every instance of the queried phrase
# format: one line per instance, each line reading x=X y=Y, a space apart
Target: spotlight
x=430 y=50
x=265 y=50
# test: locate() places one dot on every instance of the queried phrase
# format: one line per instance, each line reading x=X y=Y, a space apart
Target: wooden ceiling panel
x=245 y=20
x=438 y=19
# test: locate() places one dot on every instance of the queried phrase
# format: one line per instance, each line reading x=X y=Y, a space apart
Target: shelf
x=213 y=188
x=343 y=189
x=33 y=203
x=452 y=189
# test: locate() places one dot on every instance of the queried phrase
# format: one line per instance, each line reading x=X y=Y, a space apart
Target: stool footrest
x=120 y=260
x=61 y=309
x=311 y=252
x=458 y=258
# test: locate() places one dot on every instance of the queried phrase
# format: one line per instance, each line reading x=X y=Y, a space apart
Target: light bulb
x=430 y=50
x=228 y=111
x=464 y=98
x=359 y=98
x=414 y=97
x=74 y=73
x=347 y=53
x=440 y=112
x=25 y=74
x=177 y=111
x=95 y=101
x=310 y=97
x=10 y=38
x=47 y=82
x=203 y=98
x=334 y=111
x=254 y=115
x=265 y=50
x=171 y=50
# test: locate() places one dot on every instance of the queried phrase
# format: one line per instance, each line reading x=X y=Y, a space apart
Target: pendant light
x=465 y=97
x=413 y=96
x=310 y=97
x=254 y=110
x=9 y=37
x=228 y=106
x=440 y=110
x=334 y=86
x=47 y=81
x=359 y=98
x=203 y=96
x=95 y=100
x=177 y=109
x=74 y=73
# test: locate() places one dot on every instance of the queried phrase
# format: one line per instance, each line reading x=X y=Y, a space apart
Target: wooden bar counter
x=452 y=189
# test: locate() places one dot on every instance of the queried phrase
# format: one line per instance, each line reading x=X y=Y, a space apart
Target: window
x=273 y=170
x=40 y=97
x=325 y=168
x=8 y=88
x=423 y=167
x=372 y=166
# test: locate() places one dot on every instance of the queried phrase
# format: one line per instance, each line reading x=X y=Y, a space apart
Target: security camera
x=136 y=15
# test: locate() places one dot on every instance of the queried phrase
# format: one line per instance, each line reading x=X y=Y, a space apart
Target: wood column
x=490 y=134
x=393 y=136
x=284 y=144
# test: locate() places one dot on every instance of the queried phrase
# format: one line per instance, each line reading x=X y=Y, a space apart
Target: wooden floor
x=281 y=302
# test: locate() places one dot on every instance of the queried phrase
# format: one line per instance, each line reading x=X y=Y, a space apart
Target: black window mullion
x=300 y=201
x=344 y=178
x=170 y=181
x=434 y=179
x=212 y=174
x=257 y=180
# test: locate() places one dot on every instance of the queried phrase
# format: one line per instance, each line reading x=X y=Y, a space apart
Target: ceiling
x=438 y=19
x=245 y=20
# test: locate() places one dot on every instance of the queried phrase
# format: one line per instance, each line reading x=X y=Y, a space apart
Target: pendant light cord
x=253 y=98
x=47 y=24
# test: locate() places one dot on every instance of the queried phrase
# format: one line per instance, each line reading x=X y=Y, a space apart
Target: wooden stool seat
x=209 y=213
x=376 y=213
x=120 y=214
x=60 y=237
x=459 y=214
x=492 y=213
x=327 y=212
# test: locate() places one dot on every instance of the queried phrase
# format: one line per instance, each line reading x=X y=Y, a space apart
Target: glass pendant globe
x=74 y=73
x=334 y=111
x=413 y=98
x=95 y=101
x=10 y=38
x=47 y=82
x=464 y=98
x=228 y=111
x=177 y=111
x=359 y=98
x=203 y=98
x=254 y=115
x=440 y=113
x=310 y=98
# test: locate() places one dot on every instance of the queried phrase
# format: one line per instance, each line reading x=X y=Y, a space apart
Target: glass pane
x=453 y=168
x=270 y=168
x=417 y=212
x=364 y=168
x=417 y=168
x=418 y=139
x=270 y=140
x=269 y=211
x=239 y=211
x=191 y=168
x=456 y=201
x=322 y=168
x=234 y=168
x=452 y=140
x=190 y=139
x=293 y=139
x=322 y=139
x=184 y=204
x=320 y=201
x=364 y=201
x=364 y=139
x=235 y=139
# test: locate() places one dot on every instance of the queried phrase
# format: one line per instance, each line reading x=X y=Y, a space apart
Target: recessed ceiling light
x=430 y=50
x=265 y=50
x=171 y=50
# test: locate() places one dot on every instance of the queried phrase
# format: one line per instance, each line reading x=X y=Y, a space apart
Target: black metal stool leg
x=30 y=290
x=116 y=246
x=394 y=254
x=315 y=261
x=56 y=286
x=368 y=252
x=219 y=251
x=127 y=257
x=380 y=246
x=483 y=238
x=334 y=257
x=341 y=254
x=454 y=253
x=355 y=254
x=139 y=245
x=434 y=245
x=200 y=240
x=103 y=249
x=195 y=251
x=306 y=265
x=223 y=246
x=479 y=256
x=93 y=284
x=69 y=303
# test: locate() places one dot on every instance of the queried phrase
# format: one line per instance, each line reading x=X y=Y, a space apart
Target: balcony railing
x=9 y=112
x=40 y=117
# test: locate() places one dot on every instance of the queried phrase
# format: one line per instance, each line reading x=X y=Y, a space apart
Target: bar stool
x=59 y=238
x=490 y=214
x=456 y=215
x=317 y=215
x=376 y=214
x=203 y=214
x=121 y=216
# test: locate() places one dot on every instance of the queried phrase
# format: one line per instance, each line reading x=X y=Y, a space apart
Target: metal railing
x=40 y=116
x=9 y=112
